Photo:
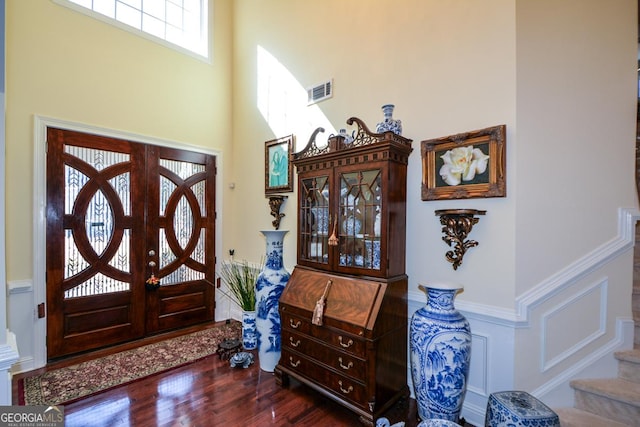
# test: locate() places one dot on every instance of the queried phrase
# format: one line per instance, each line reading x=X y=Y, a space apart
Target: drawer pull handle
x=347 y=366
x=294 y=325
x=347 y=390
x=294 y=364
x=294 y=344
x=347 y=344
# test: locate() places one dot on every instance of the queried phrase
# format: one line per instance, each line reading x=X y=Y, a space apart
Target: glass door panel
x=315 y=219
x=360 y=209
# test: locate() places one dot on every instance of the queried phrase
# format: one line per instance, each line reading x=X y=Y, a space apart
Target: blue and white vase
x=269 y=286
x=389 y=123
x=440 y=346
x=249 y=331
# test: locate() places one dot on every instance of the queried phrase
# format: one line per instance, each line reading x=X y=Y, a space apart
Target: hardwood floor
x=211 y=393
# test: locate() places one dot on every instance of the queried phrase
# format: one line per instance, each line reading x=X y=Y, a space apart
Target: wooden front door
x=119 y=212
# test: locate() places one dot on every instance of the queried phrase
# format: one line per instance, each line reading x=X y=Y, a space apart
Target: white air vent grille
x=319 y=92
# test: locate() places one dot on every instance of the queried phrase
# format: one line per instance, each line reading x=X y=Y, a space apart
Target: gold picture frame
x=278 y=169
x=466 y=165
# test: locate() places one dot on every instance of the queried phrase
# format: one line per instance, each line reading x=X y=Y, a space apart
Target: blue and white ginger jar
x=269 y=286
x=440 y=352
x=389 y=123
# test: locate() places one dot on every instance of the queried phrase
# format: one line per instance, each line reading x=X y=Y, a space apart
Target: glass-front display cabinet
x=351 y=259
x=352 y=195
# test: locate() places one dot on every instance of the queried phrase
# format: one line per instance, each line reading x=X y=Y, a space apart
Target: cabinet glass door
x=360 y=212
x=314 y=219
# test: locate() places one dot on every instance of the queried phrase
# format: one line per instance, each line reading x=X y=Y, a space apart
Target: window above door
x=179 y=24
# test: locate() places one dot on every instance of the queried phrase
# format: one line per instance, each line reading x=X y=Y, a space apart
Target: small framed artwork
x=278 y=171
x=466 y=165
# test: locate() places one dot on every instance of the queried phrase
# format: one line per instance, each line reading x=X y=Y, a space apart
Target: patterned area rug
x=74 y=382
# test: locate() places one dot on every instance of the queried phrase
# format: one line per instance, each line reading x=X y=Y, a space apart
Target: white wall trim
x=480 y=344
x=548 y=288
x=8 y=352
x=595 y=259
x=601 y=288
x=474 y=413
x=19 y=286
x=624 y=334
x=41 y=124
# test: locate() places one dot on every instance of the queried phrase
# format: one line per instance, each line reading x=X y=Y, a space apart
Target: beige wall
x=560 y=74
x=448 y=67
x=576 y=103
x=64 y=65
x=575 y=166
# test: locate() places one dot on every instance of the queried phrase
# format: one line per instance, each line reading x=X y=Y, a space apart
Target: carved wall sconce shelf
x=275 y=202
x=457 y=224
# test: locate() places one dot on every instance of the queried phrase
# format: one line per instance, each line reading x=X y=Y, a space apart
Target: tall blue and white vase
x=269 y=286
x=440 y=346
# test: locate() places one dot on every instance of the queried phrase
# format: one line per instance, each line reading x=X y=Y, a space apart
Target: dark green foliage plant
x=240 y=279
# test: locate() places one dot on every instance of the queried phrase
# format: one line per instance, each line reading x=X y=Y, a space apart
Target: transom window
x=182 y=23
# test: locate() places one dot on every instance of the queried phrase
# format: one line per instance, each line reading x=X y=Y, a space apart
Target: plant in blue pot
x=240 y=280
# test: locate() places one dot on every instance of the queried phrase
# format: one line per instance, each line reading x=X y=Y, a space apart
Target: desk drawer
x=295 y=323
x=340 y=340
x=333 y=337
x=342 y=362
x=345 y=387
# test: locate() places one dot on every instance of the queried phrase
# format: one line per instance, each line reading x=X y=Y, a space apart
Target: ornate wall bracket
x=275 y=202
x=457 y=224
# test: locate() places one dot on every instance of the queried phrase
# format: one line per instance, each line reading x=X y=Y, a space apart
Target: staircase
x=612 y=402
x=608 y=402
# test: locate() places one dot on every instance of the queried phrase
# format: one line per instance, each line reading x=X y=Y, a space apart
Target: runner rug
x=70 y=383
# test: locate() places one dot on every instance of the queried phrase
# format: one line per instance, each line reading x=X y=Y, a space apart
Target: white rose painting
x=465 y=165
x=462 y=164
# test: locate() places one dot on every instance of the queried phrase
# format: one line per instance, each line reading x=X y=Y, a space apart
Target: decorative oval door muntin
x=181 y=239
x=96 y=248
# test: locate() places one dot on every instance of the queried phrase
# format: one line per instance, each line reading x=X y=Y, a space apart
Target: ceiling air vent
x=319 y=92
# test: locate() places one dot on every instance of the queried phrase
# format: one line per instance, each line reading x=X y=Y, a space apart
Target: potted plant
x=240 y=280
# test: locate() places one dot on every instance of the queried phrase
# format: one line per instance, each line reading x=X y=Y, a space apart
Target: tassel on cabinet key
x=318 y=311
x=333 y=239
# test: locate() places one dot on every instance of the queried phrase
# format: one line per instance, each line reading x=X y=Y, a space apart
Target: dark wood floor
x=210 y=393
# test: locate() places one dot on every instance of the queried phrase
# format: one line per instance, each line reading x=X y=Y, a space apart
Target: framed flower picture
x=466 y=165
x=278 y=170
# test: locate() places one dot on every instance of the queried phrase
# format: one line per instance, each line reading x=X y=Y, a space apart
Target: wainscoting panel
x=559 y=342
x=477 y=382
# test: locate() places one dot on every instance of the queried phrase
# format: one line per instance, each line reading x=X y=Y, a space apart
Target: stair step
x=613 y=398
x=629 y=365
x=572 y=417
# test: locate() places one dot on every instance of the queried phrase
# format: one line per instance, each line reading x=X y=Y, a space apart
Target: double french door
x=119 y=212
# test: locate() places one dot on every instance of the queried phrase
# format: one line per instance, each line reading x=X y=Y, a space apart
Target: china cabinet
x=344 y=309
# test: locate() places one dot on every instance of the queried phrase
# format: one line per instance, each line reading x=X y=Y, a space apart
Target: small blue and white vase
x=269 y=286
x=389 y=123
x=440 y=352
x=249 y=331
